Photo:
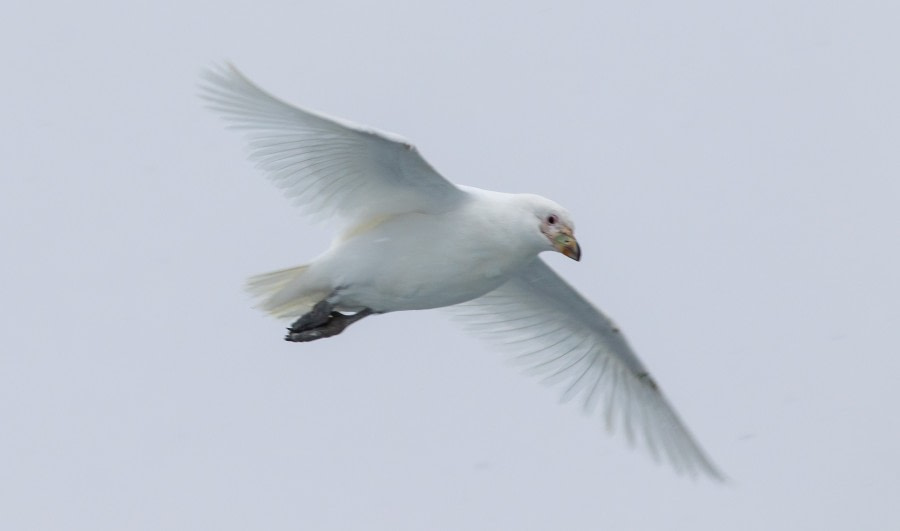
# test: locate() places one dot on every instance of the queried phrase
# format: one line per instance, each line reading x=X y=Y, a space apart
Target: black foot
x=335 y=324
x=318 y=316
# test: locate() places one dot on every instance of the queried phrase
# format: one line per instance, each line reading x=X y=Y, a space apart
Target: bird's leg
x=318 y=316
x=334 y=325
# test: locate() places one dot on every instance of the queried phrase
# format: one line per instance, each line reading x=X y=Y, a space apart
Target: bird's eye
x=551 y=219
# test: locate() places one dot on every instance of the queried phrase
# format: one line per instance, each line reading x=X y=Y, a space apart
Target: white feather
x=559 y=334
x=328 y=166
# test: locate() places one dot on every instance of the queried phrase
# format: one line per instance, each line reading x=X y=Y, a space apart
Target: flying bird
x=409 y=239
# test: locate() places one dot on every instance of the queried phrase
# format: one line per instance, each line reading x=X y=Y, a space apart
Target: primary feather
x=328 y=166
x=557 y=333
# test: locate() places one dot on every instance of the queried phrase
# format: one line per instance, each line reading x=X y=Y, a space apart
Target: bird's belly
x=393 y=275
x=417 y=287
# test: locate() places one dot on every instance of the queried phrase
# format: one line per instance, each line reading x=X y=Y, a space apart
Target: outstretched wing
x=561 y=335
x=328 y=166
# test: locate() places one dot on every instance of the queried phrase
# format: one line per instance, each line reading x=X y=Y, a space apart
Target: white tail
x=281 y=294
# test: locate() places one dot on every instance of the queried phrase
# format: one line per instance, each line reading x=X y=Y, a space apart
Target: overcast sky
x=732 y=171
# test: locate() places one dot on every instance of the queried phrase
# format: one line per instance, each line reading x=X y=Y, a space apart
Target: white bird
x=411 y=240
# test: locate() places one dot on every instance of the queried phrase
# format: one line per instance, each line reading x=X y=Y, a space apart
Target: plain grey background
x=733 y=172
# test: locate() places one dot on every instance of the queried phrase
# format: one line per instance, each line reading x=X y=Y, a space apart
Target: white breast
x=418 y=261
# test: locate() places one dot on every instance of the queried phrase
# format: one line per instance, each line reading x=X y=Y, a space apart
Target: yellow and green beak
x=567 y=245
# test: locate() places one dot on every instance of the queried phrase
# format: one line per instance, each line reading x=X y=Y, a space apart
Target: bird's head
x=555 y=225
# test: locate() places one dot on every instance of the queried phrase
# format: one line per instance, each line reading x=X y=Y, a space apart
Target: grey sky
x=733 y=173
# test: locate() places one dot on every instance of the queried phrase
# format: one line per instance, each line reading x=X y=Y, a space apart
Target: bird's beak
x=566 y=243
